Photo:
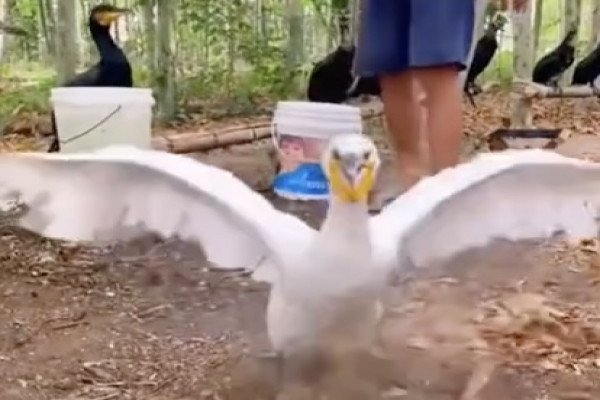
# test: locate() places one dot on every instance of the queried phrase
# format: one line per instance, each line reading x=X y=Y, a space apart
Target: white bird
x=121 y=191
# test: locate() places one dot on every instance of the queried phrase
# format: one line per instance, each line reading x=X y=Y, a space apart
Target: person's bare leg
x=444 y=115
x=403 y=115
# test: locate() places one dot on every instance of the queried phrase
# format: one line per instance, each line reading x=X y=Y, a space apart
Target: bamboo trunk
x=537 y=25
x=535 y=90
x=205 y=140
x=525 y=92
x=521 y=116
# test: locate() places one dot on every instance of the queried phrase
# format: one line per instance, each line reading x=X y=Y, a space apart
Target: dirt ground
x=151 y=320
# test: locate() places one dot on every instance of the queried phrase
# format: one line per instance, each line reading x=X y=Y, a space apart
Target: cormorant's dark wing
x=484 y=52
x=87 y=78
x=588 y=69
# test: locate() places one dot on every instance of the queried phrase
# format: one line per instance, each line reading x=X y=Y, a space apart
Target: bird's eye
x=366 y=155
x=336 y=154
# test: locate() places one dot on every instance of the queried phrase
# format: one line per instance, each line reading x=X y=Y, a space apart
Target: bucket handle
x=99 y=123
x=275 y=137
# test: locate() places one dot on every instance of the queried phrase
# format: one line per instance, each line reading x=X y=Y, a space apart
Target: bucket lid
x=316 y=129
x=314 y=106
x=88 y=95
x=317 y=112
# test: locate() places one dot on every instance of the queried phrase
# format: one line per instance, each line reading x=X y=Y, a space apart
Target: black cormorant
x=113 y=70
x=482 y=56
x=588 y=69
x=331 y=80
x=550 y=68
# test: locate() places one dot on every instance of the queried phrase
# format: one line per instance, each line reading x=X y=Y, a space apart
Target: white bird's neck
x=348 y=223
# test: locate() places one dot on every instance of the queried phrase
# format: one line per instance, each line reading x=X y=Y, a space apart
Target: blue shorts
x=399 y=34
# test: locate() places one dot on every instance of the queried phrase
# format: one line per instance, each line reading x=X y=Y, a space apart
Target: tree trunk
x=295 y=45
x=537 y=25
x=231 y=47
x=150 y=36
x=3 y=13
x=595 y=32
x=89 y=47
x=51 y=24
x=523 y=43
x=5 y=40
x=79 y=32
x=522 y=60
x=66 y=40
x=46 y=32
x=296 y=34
x=264 y=31
x=165 y=74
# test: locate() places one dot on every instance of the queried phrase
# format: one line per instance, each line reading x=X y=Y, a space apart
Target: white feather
x=513 y=195
x=120 y=191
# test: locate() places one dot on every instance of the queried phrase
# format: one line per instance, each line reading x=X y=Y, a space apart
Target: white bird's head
x=351 y=163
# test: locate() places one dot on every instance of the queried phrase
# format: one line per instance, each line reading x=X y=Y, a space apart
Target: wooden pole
x=521 y=116
x=205 y=140
x=535 y=90
x=524 y=92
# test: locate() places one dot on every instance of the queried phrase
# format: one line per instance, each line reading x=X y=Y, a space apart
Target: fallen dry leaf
x=479 y=379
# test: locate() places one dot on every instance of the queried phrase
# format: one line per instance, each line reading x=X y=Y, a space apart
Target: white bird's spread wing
x=122 y=191
x=513 y=195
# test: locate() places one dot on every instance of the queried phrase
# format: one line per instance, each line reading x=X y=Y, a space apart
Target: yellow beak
x=351 y=186
x=108 y=17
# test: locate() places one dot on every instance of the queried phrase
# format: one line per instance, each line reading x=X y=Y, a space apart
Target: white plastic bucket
x=301 y=130
x=89 y=118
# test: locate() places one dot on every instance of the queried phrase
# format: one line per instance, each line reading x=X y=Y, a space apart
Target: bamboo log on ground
x=205 y=140
x=525 y=92
x=190 y=142
x=535 y=90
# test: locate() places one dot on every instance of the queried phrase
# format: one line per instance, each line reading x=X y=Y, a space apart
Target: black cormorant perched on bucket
x=113 y=70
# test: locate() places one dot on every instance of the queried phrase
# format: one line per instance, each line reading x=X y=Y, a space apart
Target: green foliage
x=242 y=55
x=27 y=90
x=551 y=33
x=234 y=55
x=28 y=97
x=231 y=55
